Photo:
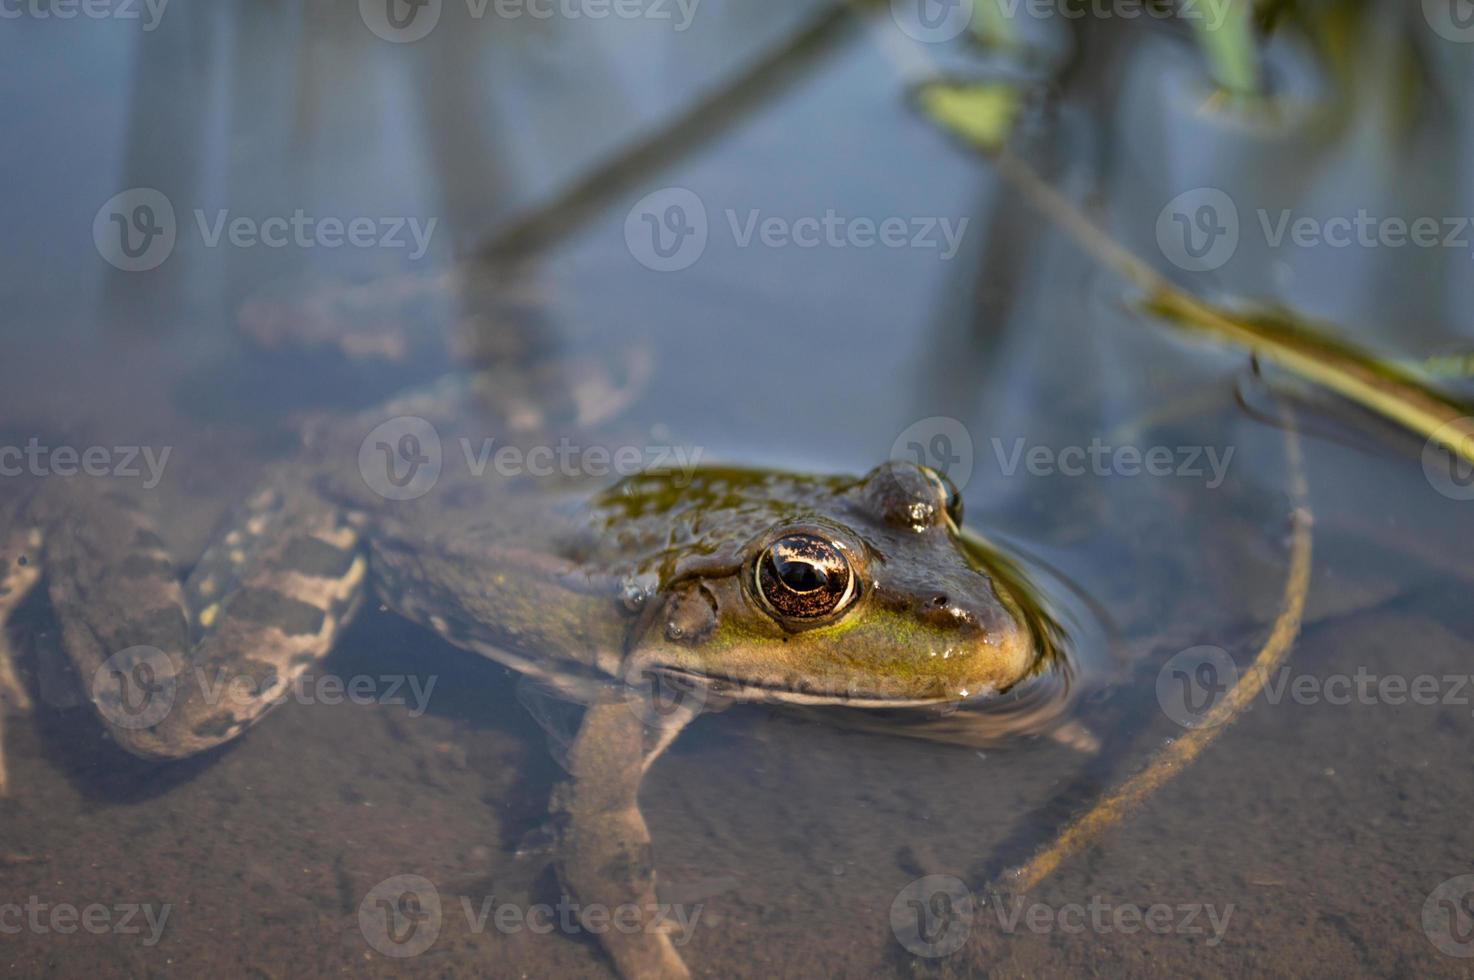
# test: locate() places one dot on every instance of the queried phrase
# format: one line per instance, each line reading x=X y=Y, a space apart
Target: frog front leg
x=605 y=854
x=177 y=667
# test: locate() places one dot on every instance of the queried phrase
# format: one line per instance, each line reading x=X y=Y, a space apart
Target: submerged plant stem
x=1179 y=753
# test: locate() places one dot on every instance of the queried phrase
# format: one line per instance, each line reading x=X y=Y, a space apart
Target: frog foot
x=474 y=314
x=1073 y=735
x=362 y=321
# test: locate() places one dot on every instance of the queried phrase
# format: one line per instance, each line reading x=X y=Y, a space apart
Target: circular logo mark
x=135 y=230
x=932 y=21
x=666 y=230
x=933 y=916
x=1452 y=20
x=1190 y=685
x=135 y=688
x=400 y=459
x=655 y=696
x=1451 y=473
x=400 y=916
x=1448 y=916
x=1198 y=230
x=940 y=442
x=400 y=21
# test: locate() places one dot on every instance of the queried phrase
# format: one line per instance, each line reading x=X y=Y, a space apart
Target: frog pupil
x=800 y=574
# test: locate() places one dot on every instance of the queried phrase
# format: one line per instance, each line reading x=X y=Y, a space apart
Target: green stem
x=1225 y=30
x=991 y=26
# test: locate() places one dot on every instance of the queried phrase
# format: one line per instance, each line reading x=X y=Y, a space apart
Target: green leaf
x=981 y=113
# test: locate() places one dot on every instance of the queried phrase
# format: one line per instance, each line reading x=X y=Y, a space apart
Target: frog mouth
x=804 y=692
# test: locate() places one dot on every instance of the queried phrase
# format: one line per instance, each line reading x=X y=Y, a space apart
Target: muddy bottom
x=1305 y=841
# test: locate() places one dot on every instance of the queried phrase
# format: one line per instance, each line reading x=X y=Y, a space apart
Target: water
x=1310 y=826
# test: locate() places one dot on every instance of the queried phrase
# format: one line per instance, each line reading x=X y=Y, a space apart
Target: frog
x=646 y=598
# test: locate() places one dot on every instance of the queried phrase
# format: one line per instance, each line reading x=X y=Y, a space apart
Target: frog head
x=824 y=590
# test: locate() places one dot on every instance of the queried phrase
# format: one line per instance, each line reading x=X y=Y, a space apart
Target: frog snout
x=960 y=616
x=941 y=611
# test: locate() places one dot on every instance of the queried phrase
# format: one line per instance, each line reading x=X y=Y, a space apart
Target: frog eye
x=804 y=576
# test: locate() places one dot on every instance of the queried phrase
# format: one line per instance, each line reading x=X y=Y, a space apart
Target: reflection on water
x=269 y=129
x=267 y=110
